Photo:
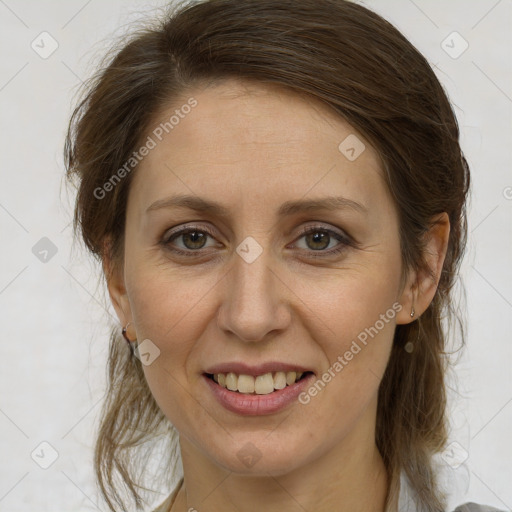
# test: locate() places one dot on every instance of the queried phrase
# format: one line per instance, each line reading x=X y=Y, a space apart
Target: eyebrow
x=288 y=208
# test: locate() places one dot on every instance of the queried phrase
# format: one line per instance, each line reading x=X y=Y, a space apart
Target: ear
x=114 y=276
x=421 y=285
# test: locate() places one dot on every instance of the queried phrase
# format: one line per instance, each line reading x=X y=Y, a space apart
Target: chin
x=259 y=457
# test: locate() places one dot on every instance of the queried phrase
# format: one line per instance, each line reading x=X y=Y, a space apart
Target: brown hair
x=368 y=73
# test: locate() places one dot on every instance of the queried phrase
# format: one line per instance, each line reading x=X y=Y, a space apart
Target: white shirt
x=407 y=500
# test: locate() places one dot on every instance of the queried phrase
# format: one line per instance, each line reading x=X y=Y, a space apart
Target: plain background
x=54 y=326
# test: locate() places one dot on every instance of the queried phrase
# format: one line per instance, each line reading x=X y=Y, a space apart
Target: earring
x=409 y=346
x=125 y=336
x=412 y=312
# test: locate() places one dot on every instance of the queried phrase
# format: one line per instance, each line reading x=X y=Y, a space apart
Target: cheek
x=167 y=302
x=169 y=310
x=356 y=356
x=349 y=301
x=355 y=317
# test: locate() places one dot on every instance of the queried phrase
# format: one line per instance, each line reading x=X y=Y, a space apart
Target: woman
x=277 y=194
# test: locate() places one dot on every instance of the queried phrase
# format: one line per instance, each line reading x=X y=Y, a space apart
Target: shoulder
x=475 y=507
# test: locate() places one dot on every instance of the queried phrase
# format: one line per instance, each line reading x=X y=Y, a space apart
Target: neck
x=349 y=477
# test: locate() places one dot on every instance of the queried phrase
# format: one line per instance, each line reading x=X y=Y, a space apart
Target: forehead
x=246 y=140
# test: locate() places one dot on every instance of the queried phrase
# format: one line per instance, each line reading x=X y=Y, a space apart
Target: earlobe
x=409 y=312
x=422 y=284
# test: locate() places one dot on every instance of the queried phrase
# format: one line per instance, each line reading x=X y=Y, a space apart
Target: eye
x=324 y=241
x=192 y=240
x=319 y=241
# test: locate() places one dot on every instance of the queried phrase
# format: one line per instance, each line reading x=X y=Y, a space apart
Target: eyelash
x=344 y=240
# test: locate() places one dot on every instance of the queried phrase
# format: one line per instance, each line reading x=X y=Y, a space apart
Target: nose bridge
x=253 y=303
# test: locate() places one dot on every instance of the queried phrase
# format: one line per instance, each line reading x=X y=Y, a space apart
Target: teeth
x=280 y=380
x=261 y=385
x=290 y=378
x=232 y=382
x=246 y=384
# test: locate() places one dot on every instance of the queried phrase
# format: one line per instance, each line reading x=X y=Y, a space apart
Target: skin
x=252 y=148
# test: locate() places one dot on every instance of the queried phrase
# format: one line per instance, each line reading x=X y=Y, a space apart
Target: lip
x=260 y=369
x=257 y=405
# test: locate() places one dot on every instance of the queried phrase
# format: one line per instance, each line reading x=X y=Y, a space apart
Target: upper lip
x=255 y=370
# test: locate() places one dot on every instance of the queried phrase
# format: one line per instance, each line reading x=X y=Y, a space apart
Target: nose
x=254 y=304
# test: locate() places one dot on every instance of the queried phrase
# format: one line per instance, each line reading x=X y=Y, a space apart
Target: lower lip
x=257 y=405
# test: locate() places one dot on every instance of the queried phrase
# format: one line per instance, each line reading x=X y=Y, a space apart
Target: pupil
x=196 y=237
x=318 y=237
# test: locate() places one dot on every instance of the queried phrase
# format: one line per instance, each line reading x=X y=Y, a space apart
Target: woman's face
x=246 y=286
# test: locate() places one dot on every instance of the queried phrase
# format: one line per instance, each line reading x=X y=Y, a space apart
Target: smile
x=259 y=385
